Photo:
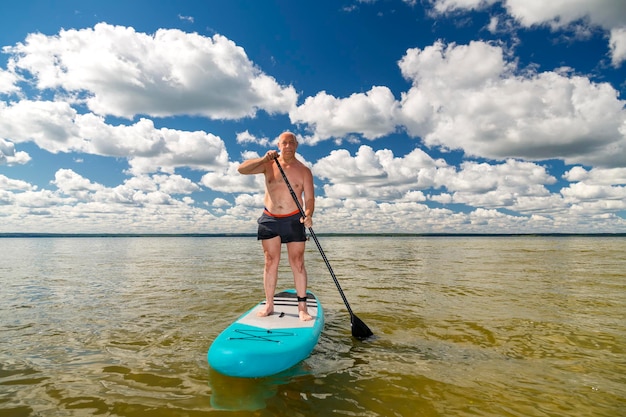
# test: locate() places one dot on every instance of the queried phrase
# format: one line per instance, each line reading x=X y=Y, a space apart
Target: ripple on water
x=463 y=326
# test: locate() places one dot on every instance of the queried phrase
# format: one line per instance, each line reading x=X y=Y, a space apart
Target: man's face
x=287 y=143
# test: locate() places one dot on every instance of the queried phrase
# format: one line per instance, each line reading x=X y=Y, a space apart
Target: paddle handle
x=317 y=243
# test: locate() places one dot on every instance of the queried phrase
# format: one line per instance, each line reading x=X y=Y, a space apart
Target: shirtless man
x=281 y=221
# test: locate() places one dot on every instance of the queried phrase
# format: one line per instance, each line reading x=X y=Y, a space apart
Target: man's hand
x=270 y=156
x=257 y=165
x=308 y=221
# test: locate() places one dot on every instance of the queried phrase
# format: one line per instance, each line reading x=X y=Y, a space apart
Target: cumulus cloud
x=69 y=182
x=118 y=71
x=494 y=113
x=584 y=191
x=143 y=204
x=597 y=176
x=610 y=15
x=221 y=203
x=230 y=181
x=416 y=177
x=8 y=155
x=57 y=127
x=562 y=13
x=9 y=184
x=445 y=6
x=157 y=189
x=50 y=124
x=246 y=137
x=511 y=185
x=617 y=44
x=175 y=184
x=372 y=114
x=197 y=150
x=377 y=175
x=8 y=82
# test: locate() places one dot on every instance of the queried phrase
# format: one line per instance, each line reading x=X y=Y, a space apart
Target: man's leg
x=271 y=251
x=295 y=250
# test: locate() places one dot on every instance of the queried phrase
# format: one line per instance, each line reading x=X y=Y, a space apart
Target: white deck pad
x=285 y=314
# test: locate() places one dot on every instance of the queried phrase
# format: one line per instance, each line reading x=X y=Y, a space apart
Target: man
x=281 y=221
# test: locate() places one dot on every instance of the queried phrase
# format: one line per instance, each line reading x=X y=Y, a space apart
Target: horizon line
x=381 y=234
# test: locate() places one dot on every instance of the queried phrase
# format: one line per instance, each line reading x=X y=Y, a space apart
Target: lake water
x=464 y=326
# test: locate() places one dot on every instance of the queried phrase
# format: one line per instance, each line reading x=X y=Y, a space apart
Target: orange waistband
x=266 y=211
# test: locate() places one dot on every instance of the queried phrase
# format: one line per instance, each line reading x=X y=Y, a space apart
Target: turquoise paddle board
x=255 y=346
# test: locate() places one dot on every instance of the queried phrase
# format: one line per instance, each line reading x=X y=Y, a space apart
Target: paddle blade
x=359 y=329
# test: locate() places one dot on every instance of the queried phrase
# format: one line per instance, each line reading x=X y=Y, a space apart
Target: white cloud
x=254 y=200
x=514 y=185
x=156 y=189
x=417 y=196
x=8 y=82
x=371 y=114
x=145 y=204
x=175 y=184
x=555 y=13
x=562 y=13
x=617 y=44
x=8 y=155
x=445 y=6
x=246 y=137
x=381 y=176
x=57 y=127
x=221 y=203
x=597 y=176
x=517 y=176
x=70 y=183
x=9 y=184
x=230 y=181
x=581 y=191
x=496 y=114
x=494 y=111
x=197 y=150
x=249 y=155
x=189 y=19
x=442 y=65
x=121 y=72
x=51 y=125
x=595 y=191
x=376 y=175
x=39 y=199
x=610 y=15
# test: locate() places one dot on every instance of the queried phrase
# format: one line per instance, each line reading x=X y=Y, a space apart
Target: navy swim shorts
x=287 y=226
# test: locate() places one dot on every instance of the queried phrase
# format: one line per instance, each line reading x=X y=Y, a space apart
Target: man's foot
x=267 y=311
x=304 y=316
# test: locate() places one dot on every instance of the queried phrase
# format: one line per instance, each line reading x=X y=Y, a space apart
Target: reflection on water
x=519 y=326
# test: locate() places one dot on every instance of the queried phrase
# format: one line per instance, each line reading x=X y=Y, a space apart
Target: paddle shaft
x=317 y=243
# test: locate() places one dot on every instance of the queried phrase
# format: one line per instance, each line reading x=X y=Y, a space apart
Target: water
x=465 y=326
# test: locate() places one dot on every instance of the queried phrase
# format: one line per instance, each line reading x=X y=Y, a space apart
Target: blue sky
x=432 y=116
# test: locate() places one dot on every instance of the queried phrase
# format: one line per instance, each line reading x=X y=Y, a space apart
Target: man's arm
x=256 y=165
x=309 y=195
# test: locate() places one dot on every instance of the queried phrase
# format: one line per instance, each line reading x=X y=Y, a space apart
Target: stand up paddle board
x=255 y=346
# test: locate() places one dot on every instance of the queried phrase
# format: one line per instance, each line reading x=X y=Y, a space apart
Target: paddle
x=359 y=329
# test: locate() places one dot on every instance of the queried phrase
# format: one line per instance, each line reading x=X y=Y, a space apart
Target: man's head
x=287 y=142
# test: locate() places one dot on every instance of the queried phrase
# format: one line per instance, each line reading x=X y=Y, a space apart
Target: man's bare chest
x=274 y=179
